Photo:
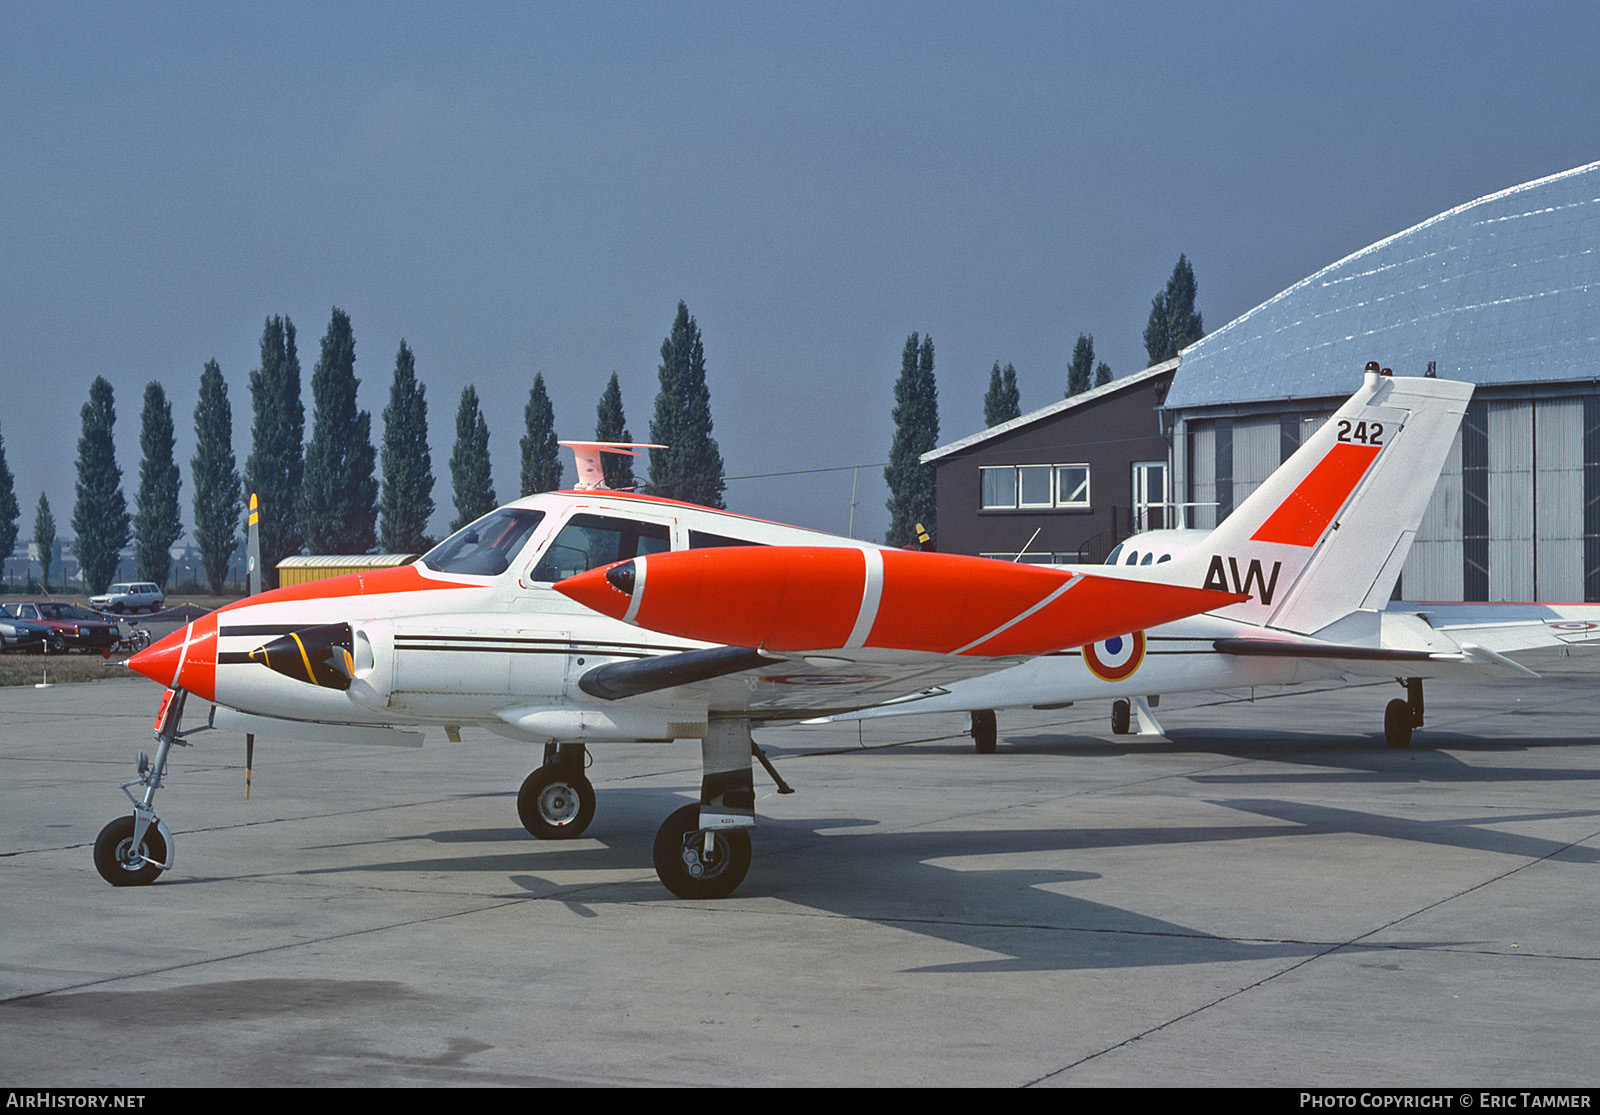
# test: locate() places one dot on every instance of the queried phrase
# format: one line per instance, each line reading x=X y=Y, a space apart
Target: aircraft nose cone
x=159 y=662
x=186 y=658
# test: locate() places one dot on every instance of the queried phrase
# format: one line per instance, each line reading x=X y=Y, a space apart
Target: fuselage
x=472 y=630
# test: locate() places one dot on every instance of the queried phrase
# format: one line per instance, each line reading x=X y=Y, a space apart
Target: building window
x=1035 y=487
x=999 y=487
x=1072 y=486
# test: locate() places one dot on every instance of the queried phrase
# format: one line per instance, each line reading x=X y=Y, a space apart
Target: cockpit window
x=705 y=540
x=590 y=541
x=487 y=547
x=1111 y=558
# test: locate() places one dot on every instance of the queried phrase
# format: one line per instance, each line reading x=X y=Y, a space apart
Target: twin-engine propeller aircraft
x=1306 y=619
x=587 y=616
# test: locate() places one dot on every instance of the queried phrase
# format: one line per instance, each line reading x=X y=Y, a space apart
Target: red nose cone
x=186 y=658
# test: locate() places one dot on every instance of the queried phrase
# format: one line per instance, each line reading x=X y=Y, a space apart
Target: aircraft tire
x=115 y=843
x=1121 y=717
x=680 y=851
x=1397 y=723
x=984 y=731
x=554 y=804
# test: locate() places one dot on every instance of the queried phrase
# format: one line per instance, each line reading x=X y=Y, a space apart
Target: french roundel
x=1115 y=659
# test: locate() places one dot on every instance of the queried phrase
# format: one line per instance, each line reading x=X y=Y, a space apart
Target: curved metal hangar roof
x=1505 y=289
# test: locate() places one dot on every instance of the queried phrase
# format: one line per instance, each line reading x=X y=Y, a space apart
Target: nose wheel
x=126 y=861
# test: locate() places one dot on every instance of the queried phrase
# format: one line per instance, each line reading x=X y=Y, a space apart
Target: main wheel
x=555 y=804
x=1397 y=723
x=119 y=862
x=1121 y=717
x=687 y=869
x=984 y=731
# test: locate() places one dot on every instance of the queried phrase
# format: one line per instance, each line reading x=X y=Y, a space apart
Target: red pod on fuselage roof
x=814 y=598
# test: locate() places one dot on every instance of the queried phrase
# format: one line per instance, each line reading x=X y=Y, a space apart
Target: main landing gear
x=134 y=851
x=702 y=850
x=556 y=801
x=1401 y=715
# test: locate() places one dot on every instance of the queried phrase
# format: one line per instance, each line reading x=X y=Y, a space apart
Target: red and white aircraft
x=588 y=616
x=1314 y=621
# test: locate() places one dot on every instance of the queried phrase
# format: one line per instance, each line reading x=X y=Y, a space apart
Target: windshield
x=486 y=547
x=60 y=611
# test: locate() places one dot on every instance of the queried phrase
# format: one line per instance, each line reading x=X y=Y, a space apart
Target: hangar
x=1503 y=292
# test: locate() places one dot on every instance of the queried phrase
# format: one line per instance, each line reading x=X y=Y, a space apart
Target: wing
x=767 y=685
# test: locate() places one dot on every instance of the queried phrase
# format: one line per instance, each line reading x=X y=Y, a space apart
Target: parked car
x=22 y=635
x=73 y=628
x=133 y=597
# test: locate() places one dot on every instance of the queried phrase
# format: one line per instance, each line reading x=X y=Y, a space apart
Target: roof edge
x=1089 y=396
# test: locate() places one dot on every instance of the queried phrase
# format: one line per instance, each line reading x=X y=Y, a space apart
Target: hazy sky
x=532 y=187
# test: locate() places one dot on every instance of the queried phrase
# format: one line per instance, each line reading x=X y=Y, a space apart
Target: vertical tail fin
x=1328 y=531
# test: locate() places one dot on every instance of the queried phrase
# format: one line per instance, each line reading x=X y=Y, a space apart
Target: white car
x=134 y=597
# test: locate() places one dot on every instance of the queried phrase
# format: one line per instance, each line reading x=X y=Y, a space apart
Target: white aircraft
x=573 y=618
x=1323 y=619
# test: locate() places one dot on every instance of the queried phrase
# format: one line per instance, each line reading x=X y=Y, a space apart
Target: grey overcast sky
x=532 y=187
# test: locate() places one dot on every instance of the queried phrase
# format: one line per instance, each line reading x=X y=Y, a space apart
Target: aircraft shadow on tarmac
x=1433 y=757
x=939 y=884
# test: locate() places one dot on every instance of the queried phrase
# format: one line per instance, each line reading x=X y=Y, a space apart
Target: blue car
x=23 y=635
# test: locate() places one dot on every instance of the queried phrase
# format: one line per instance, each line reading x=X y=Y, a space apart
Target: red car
x=75 y=629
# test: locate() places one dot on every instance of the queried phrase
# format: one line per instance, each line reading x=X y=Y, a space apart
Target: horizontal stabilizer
x=1284 y=648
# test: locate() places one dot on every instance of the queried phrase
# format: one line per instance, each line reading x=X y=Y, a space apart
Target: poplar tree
x=10 y=511
x=407 y=464
x=469 y=463
x=44 y=540
x=156 y=522
x=916 y=431
x=690 y=467
x=1102 y=374
x=215 y=472
x=612 y=425
x=1174 y=322
x=1081 y=370
x=1003 y=402
x=100 y=520
x=277 y=455
x=541 y=453
x=338 y=502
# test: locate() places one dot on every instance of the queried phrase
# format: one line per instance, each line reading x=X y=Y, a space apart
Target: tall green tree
x=541 y=453
x=469 y=463
x=215 y=472
x=276 y=463
x=10 y=511
x=1003 y=402
x=100 y=521
x=338 y=502
x=1174 y=322
x=44 y=540
x=916 y=431
x=407 y=464
x=612 y=425
x=1080 y=372
x=690 y=467
x=1102 y=374
x=156 y=522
